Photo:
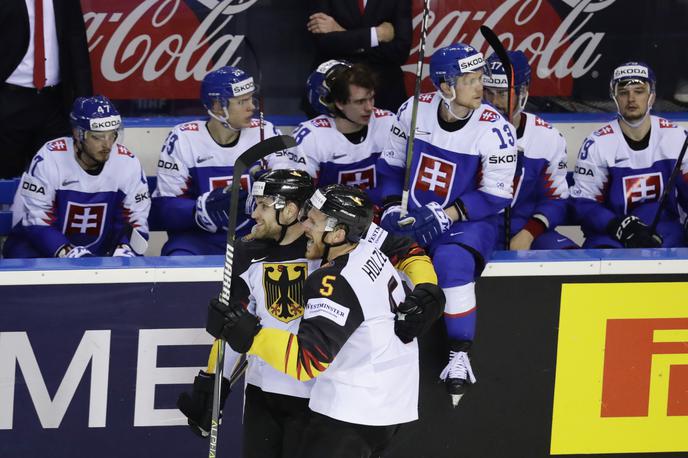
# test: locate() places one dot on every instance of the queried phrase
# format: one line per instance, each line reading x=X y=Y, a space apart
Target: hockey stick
x=243 y=162
x=503 y=56
x=414 y=110
x=670 y=184
x=261 y=100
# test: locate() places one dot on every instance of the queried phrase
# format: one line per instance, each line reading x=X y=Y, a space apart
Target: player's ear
x=291 y=212
x=445 y=88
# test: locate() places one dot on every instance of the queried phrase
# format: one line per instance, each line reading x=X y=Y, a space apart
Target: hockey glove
x=212 y=208
x=418 y=312
x=389 y=221
x=123 y=251
x=217 y=316
x=198 y=407
x=633 y=233
x=427 y=222
x=240 y=325
x=70 y=251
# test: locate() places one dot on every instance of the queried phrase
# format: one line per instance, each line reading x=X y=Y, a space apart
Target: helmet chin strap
x=224 y=121
x=448 y=102
x=284 y=227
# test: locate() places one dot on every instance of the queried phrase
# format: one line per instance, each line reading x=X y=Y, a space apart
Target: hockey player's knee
x=454 y=266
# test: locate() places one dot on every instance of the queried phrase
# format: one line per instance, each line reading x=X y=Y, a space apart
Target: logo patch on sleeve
x=190 y=126
x=606 y=130
x=321 y=122
x=489 y=116
x=327 y=309
x=57 y=145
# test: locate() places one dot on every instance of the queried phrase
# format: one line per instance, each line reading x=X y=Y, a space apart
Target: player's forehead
x=635 y=86
x=358 y=93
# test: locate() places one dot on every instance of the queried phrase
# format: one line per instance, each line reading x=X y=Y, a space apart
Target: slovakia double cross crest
x=433 y=181
x=283 y=286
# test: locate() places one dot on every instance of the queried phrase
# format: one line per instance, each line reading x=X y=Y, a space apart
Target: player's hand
x=418 y=312
x=427 y=222
x=198 y=406
x=212 y=208
x=385 y=32
x=323 y=23
x=521 y=241
x=633 y=233
x=389 y=221
x=123 y=251
x=70 y=251
x=240 y=326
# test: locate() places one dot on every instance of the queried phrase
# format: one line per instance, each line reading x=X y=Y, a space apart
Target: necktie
x=361 y=6
x=38 y=47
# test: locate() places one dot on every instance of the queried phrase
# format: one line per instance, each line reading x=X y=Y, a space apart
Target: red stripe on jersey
x=286 y=354
x=459 y=315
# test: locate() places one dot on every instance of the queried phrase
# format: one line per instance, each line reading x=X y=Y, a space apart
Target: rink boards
x=577 y=353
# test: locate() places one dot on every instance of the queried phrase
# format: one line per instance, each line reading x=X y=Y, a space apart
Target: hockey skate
x=457 y=374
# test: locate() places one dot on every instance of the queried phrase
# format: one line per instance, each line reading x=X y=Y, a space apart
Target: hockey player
x=364 y=379
x=84 y=195
x=269 y=276
x=196 y=164
x=540 y=190
x=462 y=168
x=623 y=167
x=343 y=144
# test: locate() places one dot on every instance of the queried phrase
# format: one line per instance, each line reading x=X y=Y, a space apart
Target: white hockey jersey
x=613 y=180
x=192 y=163
x=332 y=158
x=540 y=185
x=58 y=202
x=476 y=163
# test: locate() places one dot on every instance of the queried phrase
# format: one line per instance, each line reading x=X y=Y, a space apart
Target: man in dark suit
x=375 y=32
x=34 y=98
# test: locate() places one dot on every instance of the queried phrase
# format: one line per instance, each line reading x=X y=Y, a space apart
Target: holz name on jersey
x=374 y=264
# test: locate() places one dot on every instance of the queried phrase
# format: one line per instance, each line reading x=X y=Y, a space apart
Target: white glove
x=69 y=251
x=123 y=251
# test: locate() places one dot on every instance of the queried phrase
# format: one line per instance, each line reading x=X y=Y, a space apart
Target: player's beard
x=263 y=230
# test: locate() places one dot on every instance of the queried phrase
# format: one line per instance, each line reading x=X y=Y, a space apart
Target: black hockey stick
x=243 y=162
x=670 y=184
x=261 y=101
x=414 y=110
x=503 y=56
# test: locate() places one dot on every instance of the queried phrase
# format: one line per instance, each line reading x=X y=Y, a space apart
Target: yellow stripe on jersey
x=419 y=269
x=280 y=349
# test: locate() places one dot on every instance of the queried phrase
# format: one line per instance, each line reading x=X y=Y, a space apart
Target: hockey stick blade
x=243 y=162
x=496 y=44
x=670 y=184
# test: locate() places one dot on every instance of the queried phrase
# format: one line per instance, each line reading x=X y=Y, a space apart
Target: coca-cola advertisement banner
x=161 y=49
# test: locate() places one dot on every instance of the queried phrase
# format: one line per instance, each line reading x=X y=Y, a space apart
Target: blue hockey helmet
x=225 y=83
x=496 y=79
x=632 y=73
x=453 y=61
x=319 y=84
x=96 y=113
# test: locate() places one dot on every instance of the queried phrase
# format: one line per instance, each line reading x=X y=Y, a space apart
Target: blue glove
x=389 y=221
x=427 y=222
x=212 y=208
